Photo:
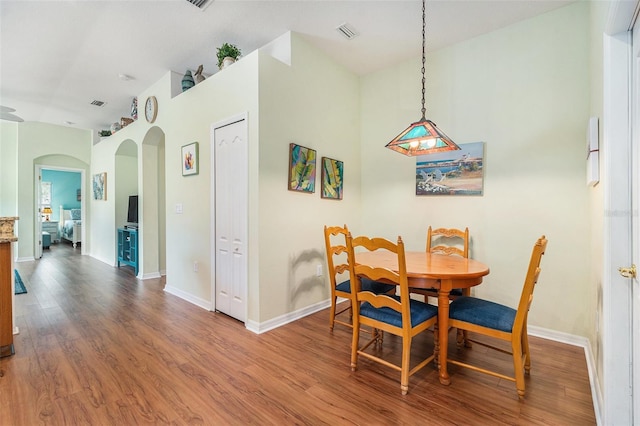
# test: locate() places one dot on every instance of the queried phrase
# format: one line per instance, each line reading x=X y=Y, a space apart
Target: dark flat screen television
x=132 y=212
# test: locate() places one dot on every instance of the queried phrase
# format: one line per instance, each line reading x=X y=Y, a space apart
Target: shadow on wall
x=296 y=285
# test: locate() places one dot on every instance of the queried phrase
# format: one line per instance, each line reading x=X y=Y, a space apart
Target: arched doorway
x=61 y=164
x=126 y=179
x=152 y=206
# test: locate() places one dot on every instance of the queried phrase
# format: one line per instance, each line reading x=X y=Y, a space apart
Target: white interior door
x=231 y=217
x=38 y=216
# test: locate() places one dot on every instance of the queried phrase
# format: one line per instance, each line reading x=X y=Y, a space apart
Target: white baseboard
x=583 y=342
x=262 y=327
x=254 y=326
x=150 y=276
x=25 y=259
x=202 y=303
x=103 y=260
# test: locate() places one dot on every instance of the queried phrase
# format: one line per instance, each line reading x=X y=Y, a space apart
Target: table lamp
x=47 y=212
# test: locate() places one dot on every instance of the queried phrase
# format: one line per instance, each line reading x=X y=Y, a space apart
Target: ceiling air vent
x=200 y=4
x=347 y=31
x=97 y=103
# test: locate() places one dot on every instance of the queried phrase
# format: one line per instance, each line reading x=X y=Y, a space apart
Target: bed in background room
x=71 y=225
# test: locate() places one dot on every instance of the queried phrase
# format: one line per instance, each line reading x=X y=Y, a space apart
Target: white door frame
x=635 y=222
x=226 y=122
x=37 y=233
x=617 y=339
x=37 y=224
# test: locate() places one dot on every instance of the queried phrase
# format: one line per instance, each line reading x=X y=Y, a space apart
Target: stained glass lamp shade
x=422 y=137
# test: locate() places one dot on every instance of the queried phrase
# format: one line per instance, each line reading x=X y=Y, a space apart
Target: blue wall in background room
x=64 y=190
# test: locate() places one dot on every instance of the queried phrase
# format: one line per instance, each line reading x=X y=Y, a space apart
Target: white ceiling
x=56 y=57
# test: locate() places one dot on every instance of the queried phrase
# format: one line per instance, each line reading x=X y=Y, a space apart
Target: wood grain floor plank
x=97 y=346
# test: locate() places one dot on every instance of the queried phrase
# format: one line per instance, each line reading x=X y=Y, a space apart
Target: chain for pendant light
x=424 y=25
x=422 y=137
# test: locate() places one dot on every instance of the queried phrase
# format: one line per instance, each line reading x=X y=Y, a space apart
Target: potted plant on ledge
x=227 y=54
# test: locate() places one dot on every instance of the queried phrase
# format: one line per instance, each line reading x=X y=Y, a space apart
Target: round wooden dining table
x=428 y=270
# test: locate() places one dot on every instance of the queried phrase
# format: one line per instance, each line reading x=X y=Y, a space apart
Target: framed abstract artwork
x=302 y=168
x=100 y=186
x=459 y=172
x=332 y=173
x=190 y=159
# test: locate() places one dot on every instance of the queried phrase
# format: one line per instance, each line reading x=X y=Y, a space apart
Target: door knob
x=628 y=272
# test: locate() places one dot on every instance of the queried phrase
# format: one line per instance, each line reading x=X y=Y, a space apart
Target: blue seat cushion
x=483 y=312
x=420 y=312
x=367 y=285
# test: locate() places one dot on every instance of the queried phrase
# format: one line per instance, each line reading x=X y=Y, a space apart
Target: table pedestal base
x=443 y=329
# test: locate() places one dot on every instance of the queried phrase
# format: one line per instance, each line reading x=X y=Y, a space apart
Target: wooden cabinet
x=128 y=247
x=51 y=226
x=6 y=285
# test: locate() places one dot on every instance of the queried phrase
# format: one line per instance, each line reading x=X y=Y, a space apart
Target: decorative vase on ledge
x=115 y=127
x=227 y=54
x=187 y=81
x=226 y=62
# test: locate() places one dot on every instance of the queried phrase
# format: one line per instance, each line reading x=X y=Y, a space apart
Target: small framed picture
x=100 y=186
x=190 y=159
x=332 y=172
x=302 y=168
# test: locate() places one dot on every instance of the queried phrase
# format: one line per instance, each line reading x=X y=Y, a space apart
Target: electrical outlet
x=319 y=270
x=195 y=266
x=179 y=208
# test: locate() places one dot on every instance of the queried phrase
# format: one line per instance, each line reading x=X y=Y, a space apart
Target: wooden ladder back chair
x=338 y=271
x=457 y=244
x=502 y=322
x=448 y=234
x=396 y=314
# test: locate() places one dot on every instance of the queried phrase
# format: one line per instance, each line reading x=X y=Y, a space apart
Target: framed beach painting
x=332 y=172
x=302 y=168
x=458 y=172
x=100 y=186
x=190 y=159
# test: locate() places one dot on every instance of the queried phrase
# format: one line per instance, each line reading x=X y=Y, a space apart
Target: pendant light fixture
x=423 y=136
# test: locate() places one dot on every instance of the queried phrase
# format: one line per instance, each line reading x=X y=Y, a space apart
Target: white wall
x=283 y=280
x=8 y=168
x=46 y=144
x=225 y=94
x=313 y=103
x=524 y=91
x=103 y=159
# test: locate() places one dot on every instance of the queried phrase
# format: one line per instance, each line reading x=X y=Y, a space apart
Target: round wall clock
x=151 y=109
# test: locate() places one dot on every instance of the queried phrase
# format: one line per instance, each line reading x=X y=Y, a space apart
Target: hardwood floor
x=96 y=346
